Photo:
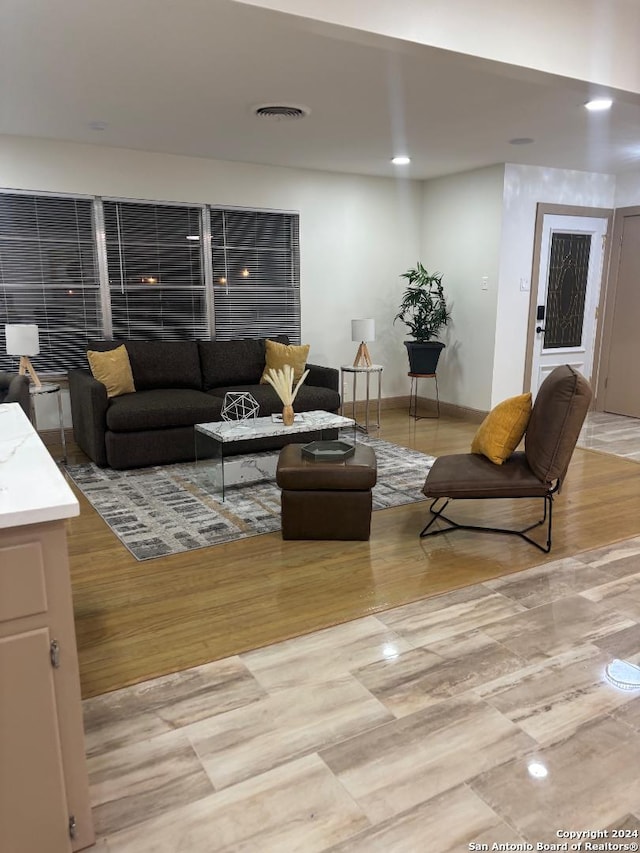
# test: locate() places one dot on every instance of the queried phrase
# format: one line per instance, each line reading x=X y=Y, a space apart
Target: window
x=156 y=285
x=147 y=279
x=256 y=274
x=48 y=276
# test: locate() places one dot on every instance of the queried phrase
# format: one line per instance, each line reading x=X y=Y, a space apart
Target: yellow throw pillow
x=113 y=369
x=280 y=354
x=502 y=430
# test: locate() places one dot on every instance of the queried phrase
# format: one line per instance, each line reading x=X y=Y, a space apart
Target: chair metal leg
x=454 y=525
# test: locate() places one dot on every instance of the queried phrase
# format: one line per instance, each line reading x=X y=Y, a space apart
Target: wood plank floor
x=136 y=620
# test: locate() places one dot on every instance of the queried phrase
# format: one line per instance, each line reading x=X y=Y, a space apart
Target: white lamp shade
x=363 y=330
x=22 y=339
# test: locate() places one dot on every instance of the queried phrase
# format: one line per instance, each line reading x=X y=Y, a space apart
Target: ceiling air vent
x=281 y=112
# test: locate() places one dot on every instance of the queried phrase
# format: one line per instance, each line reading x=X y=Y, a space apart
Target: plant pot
x=423 y=357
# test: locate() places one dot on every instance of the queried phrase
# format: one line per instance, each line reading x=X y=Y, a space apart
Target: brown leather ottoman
x=326 y=500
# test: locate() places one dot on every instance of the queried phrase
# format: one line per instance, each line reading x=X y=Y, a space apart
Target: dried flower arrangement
x=282 y=382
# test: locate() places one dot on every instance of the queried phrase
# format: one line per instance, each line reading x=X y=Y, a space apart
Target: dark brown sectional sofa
x=179 y=384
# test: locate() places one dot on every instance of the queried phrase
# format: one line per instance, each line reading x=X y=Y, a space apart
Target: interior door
x=571 y=256
x=621 y=384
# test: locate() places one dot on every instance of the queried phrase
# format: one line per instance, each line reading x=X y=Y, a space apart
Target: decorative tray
x=327 y=451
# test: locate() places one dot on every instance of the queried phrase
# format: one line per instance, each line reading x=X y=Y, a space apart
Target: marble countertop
x=32 y=488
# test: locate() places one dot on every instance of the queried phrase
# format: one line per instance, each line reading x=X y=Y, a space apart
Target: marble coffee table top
x=267 y=427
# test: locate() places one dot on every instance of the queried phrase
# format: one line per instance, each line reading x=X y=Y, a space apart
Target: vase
x=287 y=415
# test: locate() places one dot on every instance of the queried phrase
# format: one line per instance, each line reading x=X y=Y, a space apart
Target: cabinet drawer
x=22 y=581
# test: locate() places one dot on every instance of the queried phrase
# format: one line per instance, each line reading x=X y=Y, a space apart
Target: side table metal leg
x=379 y=396
x=63 y=438
x=366 y=411
x=353 y=398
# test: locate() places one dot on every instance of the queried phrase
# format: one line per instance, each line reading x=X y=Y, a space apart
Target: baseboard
x=452 y=410
x=52 y=436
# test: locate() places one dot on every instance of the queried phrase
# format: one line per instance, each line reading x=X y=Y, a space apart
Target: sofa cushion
x=310 y=398
x=160 y=364
x=225 y=362
x=113 y=369
x=277 y=355
x=162 y=409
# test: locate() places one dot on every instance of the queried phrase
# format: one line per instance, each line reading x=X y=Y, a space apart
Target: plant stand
x=413 y=396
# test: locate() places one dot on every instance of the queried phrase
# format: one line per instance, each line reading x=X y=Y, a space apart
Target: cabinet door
x=33 y=814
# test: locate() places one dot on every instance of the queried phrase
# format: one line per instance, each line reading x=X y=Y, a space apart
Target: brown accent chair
x=556 y=419
x=14 y=388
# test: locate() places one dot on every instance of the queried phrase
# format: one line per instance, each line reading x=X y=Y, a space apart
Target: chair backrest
x=557 y=416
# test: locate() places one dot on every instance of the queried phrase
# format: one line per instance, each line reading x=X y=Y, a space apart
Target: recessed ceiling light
x=599 y=104
x=193 y=236
x=98 y=125
x=401 y=160
x=521 y=140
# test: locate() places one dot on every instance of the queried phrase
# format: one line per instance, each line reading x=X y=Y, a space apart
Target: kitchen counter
x=32 y=487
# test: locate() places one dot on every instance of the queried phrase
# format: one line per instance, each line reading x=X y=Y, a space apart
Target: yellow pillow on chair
x=277 y=355
x=113 y=369
x=502 y=430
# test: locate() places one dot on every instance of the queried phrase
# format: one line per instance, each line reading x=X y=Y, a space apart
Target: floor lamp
x=23 y=341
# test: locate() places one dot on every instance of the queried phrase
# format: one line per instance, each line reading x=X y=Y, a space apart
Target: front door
x=571 y=255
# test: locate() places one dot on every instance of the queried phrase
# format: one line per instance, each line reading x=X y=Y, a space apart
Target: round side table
x=376 y=369
x=49 y=388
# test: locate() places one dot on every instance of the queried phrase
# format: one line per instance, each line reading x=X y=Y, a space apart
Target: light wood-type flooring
x=137 y=620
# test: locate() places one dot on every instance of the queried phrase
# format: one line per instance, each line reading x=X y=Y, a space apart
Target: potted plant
x=424 y=311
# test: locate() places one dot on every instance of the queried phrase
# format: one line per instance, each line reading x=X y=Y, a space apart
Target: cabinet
x=44 y=792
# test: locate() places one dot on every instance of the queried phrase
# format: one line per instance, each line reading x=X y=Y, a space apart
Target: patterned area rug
x=173 y=508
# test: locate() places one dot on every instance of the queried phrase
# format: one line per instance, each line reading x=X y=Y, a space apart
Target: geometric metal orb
x=239 y=406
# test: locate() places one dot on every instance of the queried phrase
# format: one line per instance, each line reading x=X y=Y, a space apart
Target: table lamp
x=363 y=331
x=23 y=340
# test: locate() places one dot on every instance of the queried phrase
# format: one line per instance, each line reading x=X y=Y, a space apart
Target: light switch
x=524 y=284
x=485 y=282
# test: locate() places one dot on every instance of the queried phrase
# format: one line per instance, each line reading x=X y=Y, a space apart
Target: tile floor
x=615 y=434
x=477 y=718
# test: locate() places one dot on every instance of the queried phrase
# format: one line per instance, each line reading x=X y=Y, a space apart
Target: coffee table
x=220 y=433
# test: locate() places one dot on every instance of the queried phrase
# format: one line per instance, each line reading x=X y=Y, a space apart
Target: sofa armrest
x=17 y=390
x=89 y=404
x=324 y=377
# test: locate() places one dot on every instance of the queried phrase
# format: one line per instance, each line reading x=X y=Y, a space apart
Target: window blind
x=155 y=282
x=154 y=259
x=48 y=276
x=256 y=273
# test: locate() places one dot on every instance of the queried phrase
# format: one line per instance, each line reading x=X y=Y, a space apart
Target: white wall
x=595 y=41
x=357 y=234
x=462 y=218
x=628 y=189
x=524 y=188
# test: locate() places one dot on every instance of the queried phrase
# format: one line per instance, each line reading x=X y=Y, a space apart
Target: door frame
x=543 y=210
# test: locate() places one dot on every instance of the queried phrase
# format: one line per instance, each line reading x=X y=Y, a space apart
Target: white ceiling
x=182 y=77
